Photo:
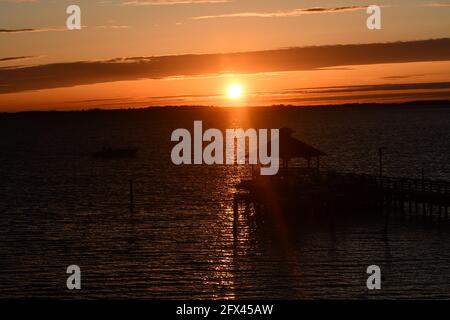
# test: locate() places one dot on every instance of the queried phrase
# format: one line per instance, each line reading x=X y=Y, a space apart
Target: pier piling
x=131 y=197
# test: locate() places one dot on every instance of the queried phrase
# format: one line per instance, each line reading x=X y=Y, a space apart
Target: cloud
x=171 y=2
x=112 y=27
x=36 y=30
x=16 y=58
x=278 y=14
x=17 y=30
x=292 y=59
x=436 y=5
x=302 y=96
x=403 y=76
x=20 y=1
x=377 y=87
x=27 y=30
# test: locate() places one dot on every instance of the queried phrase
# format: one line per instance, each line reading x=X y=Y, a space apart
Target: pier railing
x=387 y=183
x=411 y=189
x=302 y=193
x=401 y=184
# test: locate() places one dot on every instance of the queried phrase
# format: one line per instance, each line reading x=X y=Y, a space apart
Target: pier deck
x=308 y=193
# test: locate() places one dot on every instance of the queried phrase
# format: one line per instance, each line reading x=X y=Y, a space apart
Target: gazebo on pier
x=291 y=148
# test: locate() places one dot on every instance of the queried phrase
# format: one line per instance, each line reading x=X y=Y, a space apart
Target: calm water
x=59 y=206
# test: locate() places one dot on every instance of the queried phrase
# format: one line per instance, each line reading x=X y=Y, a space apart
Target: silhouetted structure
x=304 y=194
x=291 y=147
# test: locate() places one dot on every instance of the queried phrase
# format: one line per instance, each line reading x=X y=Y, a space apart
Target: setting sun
x=235 y=91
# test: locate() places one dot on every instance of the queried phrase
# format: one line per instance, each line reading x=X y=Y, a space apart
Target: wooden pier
x=302 y=194
x=307 y=194
x=415 y=196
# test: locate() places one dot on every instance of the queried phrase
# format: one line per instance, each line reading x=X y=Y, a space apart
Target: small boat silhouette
x=115 y=153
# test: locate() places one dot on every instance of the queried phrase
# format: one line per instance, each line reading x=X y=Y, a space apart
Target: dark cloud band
x=292 y=59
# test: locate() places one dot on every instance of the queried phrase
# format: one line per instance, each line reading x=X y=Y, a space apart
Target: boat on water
x=115 y=153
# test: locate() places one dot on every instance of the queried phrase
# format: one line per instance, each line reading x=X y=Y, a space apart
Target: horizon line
x=412 y=103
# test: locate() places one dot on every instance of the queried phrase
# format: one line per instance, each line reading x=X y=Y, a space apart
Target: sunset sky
x=189 y=52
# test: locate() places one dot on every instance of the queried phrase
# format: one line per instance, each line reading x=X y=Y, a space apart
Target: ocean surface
x=59 y=207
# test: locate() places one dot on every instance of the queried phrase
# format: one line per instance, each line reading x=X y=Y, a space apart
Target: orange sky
x=41 y=64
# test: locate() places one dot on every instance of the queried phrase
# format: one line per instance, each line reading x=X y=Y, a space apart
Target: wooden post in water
x=395 y=199
x=446 y=204
x=416 y=203
x=318 y=165
x=380 y=160
x=409 y=199
x=424 y=204
x=387 y=217
x=431 y=210
x=402 y=197
x=131 y=197
x=424 y=209
x=235 y=215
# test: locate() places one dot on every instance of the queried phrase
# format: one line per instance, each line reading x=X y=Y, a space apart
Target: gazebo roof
x=293 y=148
